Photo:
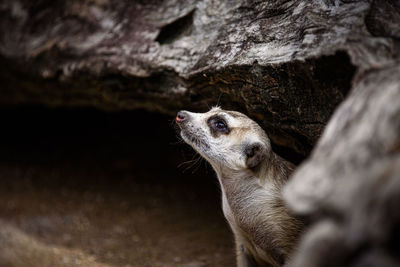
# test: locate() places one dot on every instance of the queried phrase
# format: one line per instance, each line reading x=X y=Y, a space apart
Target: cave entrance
x=107 y=185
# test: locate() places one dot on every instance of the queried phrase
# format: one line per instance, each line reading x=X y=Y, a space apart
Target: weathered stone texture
x=352 y=178
x=285 y=63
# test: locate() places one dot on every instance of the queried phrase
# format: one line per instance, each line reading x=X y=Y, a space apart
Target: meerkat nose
x=181 y=116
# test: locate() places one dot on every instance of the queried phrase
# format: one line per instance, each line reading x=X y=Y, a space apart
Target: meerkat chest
x=252 y=210
x=249 y=226
x=227 y=210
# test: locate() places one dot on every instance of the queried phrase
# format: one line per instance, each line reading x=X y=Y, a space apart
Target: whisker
x=208 y=106
x=198 y=163
x=219 y=99
x=172 y=122
x=193 y=164
x=187 y=162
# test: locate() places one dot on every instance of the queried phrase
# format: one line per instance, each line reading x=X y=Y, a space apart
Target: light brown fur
x=265 y=233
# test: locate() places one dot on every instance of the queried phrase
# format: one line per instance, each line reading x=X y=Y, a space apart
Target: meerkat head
x=225 y=138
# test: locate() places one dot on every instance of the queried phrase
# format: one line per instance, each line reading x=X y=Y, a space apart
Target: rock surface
x=287 y=64
x=352 y=180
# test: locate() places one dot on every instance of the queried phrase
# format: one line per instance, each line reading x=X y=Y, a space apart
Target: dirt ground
x=86 y=188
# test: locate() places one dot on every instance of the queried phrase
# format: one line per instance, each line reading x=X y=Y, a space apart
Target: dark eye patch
x=218 y=125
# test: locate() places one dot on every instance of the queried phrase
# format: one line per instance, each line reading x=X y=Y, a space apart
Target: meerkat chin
x=251 y=176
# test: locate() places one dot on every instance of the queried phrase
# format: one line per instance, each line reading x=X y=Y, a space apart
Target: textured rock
x=285 y=63
x=351 y=183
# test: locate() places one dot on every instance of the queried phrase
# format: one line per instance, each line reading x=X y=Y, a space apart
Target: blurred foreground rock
x=351 y=183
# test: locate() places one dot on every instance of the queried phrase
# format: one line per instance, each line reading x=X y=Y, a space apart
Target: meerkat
x=251 y=176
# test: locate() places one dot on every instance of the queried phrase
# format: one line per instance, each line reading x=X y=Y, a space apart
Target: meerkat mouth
x=194 y=140
x=193 y=136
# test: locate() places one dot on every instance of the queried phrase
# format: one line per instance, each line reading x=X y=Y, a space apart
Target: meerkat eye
x=218 y=125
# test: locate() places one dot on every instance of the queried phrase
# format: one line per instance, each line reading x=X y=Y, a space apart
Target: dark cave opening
x=70 y=177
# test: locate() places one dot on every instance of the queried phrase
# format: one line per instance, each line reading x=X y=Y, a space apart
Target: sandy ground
x=103 y=195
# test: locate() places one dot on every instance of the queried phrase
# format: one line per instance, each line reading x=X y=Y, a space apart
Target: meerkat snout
x=181 y=117
x=251 y=176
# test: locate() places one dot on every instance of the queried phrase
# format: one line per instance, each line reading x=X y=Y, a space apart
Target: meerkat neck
x=275 y=169
x=271 y=174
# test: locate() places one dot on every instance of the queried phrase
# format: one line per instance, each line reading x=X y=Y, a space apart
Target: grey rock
x=352 y=180
x=287 y=64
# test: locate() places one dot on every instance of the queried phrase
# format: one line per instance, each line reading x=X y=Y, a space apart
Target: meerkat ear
x=255 y=153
